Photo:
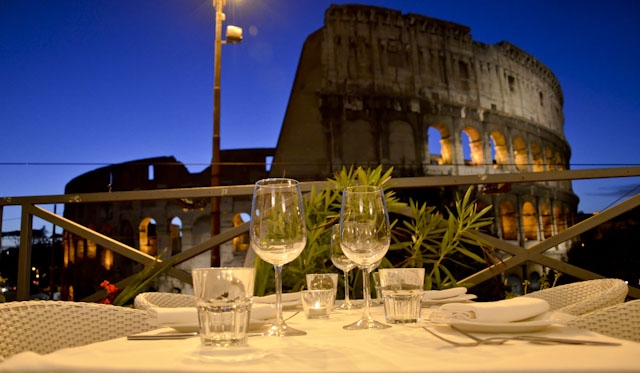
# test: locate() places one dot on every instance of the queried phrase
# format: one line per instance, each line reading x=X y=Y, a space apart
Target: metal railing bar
x=401 y=182
x=515 y=177
x=102 y=240
x=96 y=237
x=150 y=194
x=205 y=246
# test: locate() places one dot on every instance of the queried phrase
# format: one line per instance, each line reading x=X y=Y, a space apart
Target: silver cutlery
x=176 y=335
x=529 y=338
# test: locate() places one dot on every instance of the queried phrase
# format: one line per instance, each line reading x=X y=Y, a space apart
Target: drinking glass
x=278 y=235
x=365 y=237
x=343 y=263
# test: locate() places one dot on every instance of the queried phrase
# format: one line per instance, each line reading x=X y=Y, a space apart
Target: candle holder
x=317 y=304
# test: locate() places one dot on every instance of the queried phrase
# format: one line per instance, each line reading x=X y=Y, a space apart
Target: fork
x=529 y=338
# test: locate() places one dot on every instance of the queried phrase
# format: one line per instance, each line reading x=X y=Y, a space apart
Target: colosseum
x=375 y=86
x=378 y=87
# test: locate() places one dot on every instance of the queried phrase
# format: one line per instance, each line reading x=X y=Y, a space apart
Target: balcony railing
x=517 y=255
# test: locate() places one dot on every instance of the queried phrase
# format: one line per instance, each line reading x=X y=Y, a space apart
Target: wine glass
x=278 y=235
x=365 y=236
x=343 y=263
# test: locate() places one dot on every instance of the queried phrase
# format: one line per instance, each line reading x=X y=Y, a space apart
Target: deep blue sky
x=86 y=83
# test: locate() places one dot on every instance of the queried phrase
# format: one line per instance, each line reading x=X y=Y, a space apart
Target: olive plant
x=424 y=239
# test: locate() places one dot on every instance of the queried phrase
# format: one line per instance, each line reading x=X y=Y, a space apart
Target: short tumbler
x=402 y=290
x=223 y=298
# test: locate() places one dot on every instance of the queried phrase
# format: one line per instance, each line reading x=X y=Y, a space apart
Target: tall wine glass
x=343 y=263
x=365 y=235
x=278 y=235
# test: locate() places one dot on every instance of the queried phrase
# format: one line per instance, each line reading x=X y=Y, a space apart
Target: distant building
x=152 y=226
x=373 y=87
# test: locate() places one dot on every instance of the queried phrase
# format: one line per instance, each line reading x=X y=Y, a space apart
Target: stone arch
x=175 y=235
x=529 y=221
x=546 y=220
x=559 y=218
x=402 y=148
x=559 y=160
x=240 y=243
x=500 y=149
x=354 y=151
x=536 y=157
x=446 y=146
x=475 y=145
x=520 y=153
x=548 y=154
x=508 y=221
x=147 y=236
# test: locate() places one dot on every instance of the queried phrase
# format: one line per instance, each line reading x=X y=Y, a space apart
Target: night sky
x=87 y=83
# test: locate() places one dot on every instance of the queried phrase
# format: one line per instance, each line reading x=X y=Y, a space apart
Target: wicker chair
x=619 y=321
x=144 y=301
x=583 y=297
x=46 y=326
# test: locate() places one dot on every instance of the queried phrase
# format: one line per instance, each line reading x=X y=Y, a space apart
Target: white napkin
x=271 y=299
x=188 y=316
x=167 y=316
x=444 y=294
x=501 y=311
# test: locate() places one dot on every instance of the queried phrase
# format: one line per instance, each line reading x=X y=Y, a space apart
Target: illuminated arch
x=476 y=152
x=560 y=222
x=547 y=221
x=548 y=154
x=508 y=221
x=529 y=221
x=446 y=147
x=147 y=236
x=559 y=162
x=175 y=235
x=520 y=153
x=240 y=243
x=536 y=157
x=499 y=149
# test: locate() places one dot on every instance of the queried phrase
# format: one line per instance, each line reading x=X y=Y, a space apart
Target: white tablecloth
x=327 y=347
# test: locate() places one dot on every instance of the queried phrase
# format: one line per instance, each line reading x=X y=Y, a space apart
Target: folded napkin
x=443 y=294
x=188 y=316
x=271 y=299
x=502 y=311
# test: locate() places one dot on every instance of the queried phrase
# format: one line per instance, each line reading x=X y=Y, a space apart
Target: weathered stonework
x=373 y=82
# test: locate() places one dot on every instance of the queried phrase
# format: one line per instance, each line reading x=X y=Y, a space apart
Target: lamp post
x=234 y=35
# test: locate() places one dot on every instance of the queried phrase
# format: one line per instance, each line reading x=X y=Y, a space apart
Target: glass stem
x=366 y=293
x=346 y=287
x=278 y=270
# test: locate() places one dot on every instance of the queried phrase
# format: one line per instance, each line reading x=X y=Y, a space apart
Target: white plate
x=189 y=328
x=529 y=325
x=457 y=299
x=183 y=328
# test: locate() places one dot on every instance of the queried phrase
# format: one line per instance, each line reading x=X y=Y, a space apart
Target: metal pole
x=215 y=159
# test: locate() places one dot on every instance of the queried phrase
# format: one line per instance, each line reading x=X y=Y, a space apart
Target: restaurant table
x=327 y=347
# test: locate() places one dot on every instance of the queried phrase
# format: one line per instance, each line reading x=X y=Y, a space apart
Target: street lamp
x=233 y=36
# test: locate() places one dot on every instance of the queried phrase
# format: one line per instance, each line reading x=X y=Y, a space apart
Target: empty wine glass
x=343 y=263
x=365 y=235
x=278 y=235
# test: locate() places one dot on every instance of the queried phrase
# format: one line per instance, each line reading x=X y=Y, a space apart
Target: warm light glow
x=92 y=249
x=107 y=259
